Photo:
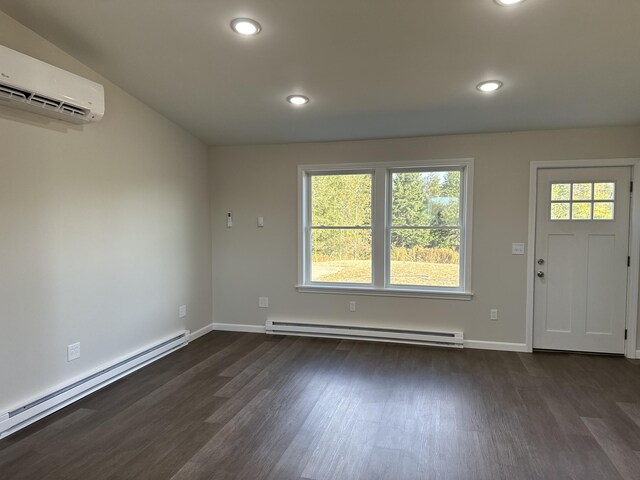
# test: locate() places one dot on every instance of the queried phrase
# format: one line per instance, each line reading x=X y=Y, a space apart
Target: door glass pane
x=425 y=257
x=341 y=200
x=584 y=201
x=341 y=255
x=560 y=191
x=582 y=191
x=603 y=211
x=581 y=211
x=604 y=191
x=421 y=199
x=560 y=211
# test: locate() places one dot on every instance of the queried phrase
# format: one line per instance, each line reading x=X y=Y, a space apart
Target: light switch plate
x=493 y=314
x=517 y=249
x=263 y=302
x=260 y=221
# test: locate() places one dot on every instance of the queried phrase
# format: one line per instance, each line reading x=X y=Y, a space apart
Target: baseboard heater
x=49 y=403
x=372 y=334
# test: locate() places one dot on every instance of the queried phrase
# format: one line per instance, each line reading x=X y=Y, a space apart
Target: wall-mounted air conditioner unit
x=38 y=87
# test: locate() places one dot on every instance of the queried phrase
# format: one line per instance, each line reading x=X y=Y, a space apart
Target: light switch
x=517 y=249
x=229 y=220
x=261 y=221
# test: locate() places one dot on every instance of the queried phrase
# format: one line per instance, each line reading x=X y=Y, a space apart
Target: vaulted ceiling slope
x=372 y=68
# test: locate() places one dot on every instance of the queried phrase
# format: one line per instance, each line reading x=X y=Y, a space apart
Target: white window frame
x=381 y=231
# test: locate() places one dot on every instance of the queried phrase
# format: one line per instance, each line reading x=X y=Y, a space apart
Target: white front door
x=581 y=252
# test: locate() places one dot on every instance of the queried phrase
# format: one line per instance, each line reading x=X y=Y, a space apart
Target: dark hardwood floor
x=247 y=406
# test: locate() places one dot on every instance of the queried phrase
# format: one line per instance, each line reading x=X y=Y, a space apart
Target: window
x=583 y=201
x=340 y=228
x=425 y=228
x=396 y=229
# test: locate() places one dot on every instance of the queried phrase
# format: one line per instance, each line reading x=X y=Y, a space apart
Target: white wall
x=262 y=180
x=104 y=231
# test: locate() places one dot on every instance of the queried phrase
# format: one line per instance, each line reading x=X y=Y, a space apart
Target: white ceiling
x=372 y=68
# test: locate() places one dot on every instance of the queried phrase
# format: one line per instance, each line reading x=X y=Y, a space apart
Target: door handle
x=540 y=274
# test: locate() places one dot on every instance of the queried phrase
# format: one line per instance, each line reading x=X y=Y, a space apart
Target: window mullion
x=379 y=226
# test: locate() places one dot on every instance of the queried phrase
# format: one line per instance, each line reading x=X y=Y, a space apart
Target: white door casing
x=580 y=297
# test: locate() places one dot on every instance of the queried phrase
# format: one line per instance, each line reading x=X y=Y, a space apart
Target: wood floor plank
x=343 y=449
x=250 y=406
x=248 y=359
x=272 y=359
x=224 y=442
x=184 y=378
x=296 y=456
x=288 y=404
x=275 y=374
x=632 y=410
x=26 y=440
x=623 y=458
x=274 y=436
x=563 y=413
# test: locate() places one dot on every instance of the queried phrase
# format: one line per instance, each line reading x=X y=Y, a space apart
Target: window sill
x=387 y=292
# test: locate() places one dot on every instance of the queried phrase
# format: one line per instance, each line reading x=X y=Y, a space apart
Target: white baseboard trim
x=200 y=332
x=502 y=346
x=238 y=327
x=73 y=390
x=637 y=353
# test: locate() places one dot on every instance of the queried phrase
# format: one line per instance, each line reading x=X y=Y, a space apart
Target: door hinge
x=625 y=333
x=628 y=261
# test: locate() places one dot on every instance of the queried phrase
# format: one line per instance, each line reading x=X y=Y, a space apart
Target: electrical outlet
x=73 y=351
x=263 y=302
x=352 y=306
x=494 y=314
x=182 y=311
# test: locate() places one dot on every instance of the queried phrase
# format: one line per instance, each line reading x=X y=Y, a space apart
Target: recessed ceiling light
x=297 y=99
x=245 y=26
x=507 y=3
x=489 y=86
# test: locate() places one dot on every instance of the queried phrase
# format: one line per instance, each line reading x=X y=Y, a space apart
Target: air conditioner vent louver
x=73 y=110
x=10 y=93
x=44 y=102
x=13 y=93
